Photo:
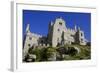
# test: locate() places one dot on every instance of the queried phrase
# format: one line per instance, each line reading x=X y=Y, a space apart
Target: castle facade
x=58 y=34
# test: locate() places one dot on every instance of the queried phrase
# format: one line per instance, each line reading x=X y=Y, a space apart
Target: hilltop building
x=58 y=34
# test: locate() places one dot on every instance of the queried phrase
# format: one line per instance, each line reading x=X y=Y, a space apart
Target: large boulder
x=73 y=50
x=51 y=54
x=30 y=58
x=78 y=49
x=68 y=50
x=52 y=57
x=62 y=50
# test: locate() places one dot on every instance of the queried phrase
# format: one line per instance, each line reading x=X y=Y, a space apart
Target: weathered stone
x=58 y=34
x=78 y=49
x=52 y=57
x=32 y=56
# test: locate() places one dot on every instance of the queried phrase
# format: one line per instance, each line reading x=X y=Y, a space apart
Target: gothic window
x=60 y=23
x=81 y=34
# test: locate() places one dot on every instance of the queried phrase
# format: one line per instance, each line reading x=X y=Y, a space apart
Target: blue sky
x=39 y=21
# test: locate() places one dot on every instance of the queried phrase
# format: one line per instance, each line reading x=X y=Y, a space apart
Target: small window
x=81 y=39
x=81 y=34
x=29 y=45
x=60 y=23
x=30 y=38
x=58 y=29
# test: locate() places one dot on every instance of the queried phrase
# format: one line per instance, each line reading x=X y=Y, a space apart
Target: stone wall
x=58 y=34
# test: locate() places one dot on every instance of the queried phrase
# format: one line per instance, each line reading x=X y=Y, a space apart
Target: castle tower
x=58 y=33
x=79 y=37
x=26 y=41
x=50 y=33
x=57 y=29
x=25 y=48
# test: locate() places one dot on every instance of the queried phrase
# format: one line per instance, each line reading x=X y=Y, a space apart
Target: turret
x=78 y=28
x=28 y=28
x=75 y=28
x=51 y=23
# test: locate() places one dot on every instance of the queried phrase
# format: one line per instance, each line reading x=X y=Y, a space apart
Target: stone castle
x=58 y=34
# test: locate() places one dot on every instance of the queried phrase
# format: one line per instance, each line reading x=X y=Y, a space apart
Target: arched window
x=81 y=34
x=60 y=23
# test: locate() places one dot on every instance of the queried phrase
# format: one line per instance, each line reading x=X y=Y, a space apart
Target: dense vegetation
x=66 y=52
